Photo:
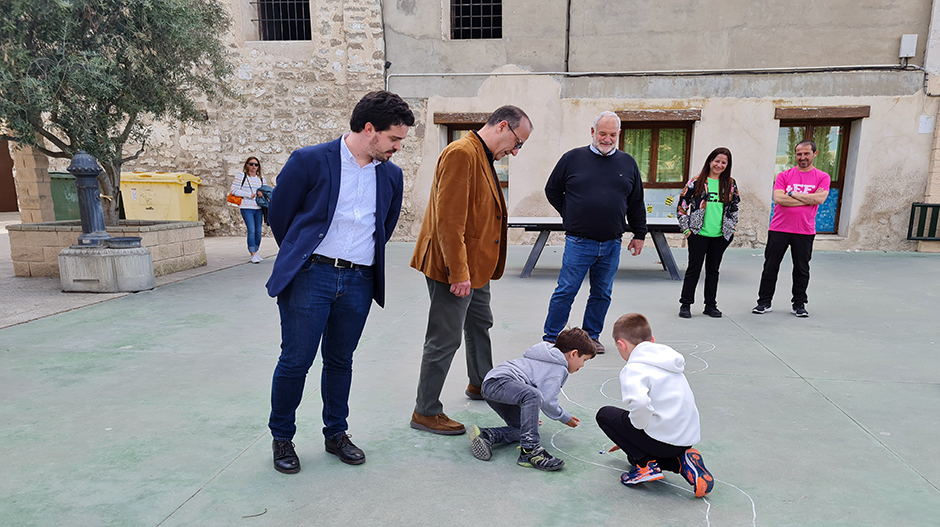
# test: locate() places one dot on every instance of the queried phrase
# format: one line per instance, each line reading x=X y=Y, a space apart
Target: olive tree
x=94 y=75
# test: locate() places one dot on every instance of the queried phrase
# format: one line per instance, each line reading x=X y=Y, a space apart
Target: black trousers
x=801 y=251
x=707 y=250
x=639 y=447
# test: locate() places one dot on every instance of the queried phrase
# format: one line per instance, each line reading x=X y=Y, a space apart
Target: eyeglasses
x=520 y=141
x=254 y=165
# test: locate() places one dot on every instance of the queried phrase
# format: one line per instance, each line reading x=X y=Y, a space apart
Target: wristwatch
x=790 y=193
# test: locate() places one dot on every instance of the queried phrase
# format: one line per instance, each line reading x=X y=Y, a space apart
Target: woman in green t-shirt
x=708 y=215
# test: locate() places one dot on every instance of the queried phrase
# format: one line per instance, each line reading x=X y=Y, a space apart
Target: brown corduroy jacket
x=463 y=236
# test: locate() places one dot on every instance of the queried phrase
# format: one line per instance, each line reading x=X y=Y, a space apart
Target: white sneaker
x=255 y=258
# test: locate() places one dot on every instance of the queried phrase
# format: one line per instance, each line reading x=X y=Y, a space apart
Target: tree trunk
x=110 y=182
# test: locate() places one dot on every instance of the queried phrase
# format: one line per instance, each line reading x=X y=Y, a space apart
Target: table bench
x=545 y=225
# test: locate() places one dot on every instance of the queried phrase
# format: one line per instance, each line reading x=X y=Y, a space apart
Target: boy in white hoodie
x=661 y=422
x=518 y=388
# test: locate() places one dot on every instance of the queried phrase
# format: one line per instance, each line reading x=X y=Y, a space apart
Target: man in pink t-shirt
x=798 y=192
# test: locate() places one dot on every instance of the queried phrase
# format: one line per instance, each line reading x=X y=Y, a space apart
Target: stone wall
x=295 y=94
x=175 y=246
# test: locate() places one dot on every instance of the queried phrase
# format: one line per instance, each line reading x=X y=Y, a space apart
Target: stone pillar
x=33 y=191
x=932 y=65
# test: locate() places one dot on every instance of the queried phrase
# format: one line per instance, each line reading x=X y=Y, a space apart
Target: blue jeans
x=252 y=219
x=583 y=256
x=518 y=404
x=324 y=302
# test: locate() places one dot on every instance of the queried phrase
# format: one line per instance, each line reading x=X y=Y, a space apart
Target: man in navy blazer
x=334 y=208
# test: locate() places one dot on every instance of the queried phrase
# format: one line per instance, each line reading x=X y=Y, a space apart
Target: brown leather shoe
x=436 y=424
x=473 y=392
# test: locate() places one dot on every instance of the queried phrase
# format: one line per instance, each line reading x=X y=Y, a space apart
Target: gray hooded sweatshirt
x=543 y=366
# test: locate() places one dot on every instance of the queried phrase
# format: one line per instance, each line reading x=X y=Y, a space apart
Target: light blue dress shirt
x=351 y=235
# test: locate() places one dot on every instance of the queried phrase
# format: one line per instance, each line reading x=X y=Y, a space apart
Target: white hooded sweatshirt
x=658 y=395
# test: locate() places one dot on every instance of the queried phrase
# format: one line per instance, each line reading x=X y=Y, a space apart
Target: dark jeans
x=448 y=317
x=801 y=251
x=639 y=447
x=519 y=405
x=252 y=219
x=707 y=250
x=325 y=302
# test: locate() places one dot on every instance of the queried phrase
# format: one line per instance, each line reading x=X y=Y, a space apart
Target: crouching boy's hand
x=573 y=422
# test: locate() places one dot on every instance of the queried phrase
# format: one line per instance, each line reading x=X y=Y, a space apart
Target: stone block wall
x=174 y=246
x=294 y=94
x=33 y=191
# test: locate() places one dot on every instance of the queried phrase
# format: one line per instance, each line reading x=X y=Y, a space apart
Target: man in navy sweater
x=597 y=190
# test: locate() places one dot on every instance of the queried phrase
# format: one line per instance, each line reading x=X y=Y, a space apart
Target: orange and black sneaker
x=650 y=472
x=693 y=470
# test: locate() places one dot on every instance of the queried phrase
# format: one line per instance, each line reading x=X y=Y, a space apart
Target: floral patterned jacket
x=691 y=211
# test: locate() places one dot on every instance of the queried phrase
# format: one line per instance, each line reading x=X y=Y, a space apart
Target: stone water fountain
x=100 y=263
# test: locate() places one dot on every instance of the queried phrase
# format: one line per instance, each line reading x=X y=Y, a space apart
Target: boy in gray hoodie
x=518 y=388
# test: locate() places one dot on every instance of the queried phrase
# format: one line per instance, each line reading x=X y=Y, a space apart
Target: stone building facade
x=748 y=73
x=295 y=93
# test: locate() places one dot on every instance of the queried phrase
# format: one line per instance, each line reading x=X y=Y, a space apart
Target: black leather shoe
x=285 y=459
x=685 y=311
x=712 y=311
x=342 y=447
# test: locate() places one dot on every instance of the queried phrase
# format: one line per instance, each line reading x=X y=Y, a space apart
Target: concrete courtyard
x=150 y=409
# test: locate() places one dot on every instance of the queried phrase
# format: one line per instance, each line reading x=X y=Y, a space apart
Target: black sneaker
x=799 y=311
x=539 y=459
x=761 y=309
x=684 y=311
x=712 y=311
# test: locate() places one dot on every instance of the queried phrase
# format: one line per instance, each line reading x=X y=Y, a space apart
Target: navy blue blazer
x=303 y=204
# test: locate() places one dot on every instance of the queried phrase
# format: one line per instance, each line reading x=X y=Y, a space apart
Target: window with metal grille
x=283 y=19
x=476 y=19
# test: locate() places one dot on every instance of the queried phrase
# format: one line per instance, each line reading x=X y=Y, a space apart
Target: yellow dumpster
x=160 y=196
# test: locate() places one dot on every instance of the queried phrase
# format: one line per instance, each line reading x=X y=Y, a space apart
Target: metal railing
x=925 y=218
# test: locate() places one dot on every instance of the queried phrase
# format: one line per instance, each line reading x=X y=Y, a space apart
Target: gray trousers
x=447 y=316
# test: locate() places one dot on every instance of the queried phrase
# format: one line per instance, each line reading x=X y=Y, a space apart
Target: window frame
x=299 y=28
x=660 y=119
x=494 y=30
x=809 y=119
x=809 y=129
x=656 y=127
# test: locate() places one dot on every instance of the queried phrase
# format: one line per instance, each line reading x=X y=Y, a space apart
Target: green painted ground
x=151 y=409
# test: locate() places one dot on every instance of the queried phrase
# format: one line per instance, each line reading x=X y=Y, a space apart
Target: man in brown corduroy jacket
x=461 y=247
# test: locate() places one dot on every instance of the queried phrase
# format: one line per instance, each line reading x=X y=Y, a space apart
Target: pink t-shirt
x=801 y=219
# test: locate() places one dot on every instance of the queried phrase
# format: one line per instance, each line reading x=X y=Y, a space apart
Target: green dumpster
x=64 y=196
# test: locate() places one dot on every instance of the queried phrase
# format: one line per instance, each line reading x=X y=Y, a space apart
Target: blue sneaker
x=651 y=472
x=693 y=470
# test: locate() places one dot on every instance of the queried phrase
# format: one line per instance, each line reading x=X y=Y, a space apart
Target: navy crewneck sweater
x=597 y=195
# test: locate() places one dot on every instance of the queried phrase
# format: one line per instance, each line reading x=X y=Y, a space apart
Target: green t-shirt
x=714 y=210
